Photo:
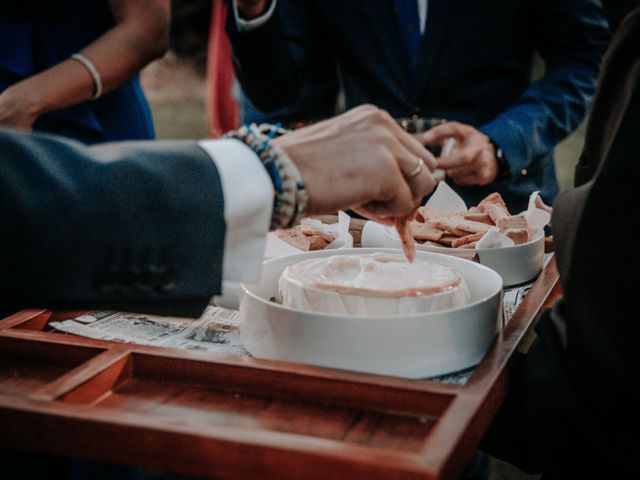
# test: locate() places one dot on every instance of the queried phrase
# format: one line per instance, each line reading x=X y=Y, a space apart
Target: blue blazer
x=475 y=67
x=136 y=226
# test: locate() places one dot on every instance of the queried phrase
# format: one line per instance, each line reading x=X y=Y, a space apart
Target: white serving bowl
x=411 y=346
x=516 y=264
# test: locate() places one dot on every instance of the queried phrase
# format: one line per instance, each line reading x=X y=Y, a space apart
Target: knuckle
x=379 y=115
x=387 y=118
x=366 y=107
x=386 y=138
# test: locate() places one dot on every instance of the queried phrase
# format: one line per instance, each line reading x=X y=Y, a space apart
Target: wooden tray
x=231 y=417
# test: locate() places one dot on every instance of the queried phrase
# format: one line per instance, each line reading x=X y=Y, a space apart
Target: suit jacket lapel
x=437 y=22
x=381 y=21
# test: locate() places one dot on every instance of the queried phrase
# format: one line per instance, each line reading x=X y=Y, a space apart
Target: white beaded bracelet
x=97 y=79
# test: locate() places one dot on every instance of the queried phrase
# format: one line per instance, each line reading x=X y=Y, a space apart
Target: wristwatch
x=504 y=172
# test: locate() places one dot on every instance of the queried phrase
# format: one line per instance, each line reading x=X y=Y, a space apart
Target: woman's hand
x=18 y=108
x=361 y=160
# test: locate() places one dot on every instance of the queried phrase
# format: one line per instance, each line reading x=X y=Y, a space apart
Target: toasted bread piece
x=493 y=199
x=496 y=212
x=460 y=227
x=446 y=240
x=512 y=221
x=479 y=217
x=518 y=235
x=408 y=242
x=295 y=238
x=311 y=232
x=317 y=242
x=424 y=214
x=425 y=231
x=461 y=242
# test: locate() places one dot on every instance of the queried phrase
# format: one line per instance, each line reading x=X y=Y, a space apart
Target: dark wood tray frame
x=235 y=417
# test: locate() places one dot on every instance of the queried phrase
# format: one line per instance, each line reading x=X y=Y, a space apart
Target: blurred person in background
x=71 y=67
x=468 y=62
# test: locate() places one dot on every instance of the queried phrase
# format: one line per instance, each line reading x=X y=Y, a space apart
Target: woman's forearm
x=139 y=36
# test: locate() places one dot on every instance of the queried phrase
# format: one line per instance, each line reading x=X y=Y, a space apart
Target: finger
x=411 y=143
x=458 y=158
x=362 y=211
x=399 y=203
x=437 y=134
x=462 y=171
x=421 y=183
x=408 y=141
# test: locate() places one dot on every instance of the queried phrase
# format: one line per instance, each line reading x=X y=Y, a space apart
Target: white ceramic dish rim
x=246 y=288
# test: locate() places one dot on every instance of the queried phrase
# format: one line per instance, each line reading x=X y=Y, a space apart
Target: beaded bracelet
x=291 y=198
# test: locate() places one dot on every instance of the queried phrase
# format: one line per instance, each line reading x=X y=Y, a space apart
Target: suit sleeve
x=572 y=36
x=277 y=60
x=137 y=226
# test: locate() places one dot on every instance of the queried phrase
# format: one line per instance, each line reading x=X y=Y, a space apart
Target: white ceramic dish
x=517 y=264
x=411 y=346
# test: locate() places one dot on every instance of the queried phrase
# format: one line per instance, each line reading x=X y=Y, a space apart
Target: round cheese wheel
x=372 y=284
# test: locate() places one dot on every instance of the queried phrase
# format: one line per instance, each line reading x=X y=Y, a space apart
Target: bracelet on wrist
x=291 y=198
x=93 y=71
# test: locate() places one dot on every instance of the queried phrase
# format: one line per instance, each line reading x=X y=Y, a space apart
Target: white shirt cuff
x=248 y=201
x=245 y=25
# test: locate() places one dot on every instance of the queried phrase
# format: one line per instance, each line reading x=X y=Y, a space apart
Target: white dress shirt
x=248 y=200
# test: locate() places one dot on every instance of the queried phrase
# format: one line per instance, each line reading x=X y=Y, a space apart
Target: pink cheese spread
x=374 y=275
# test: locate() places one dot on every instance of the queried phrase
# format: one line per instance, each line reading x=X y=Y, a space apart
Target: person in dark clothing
x=572 y=408
x=464 y=61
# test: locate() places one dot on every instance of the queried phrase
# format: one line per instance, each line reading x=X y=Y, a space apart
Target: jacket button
x=144 y=281
x=165 y=279
x=129 y=277
x=105 y=282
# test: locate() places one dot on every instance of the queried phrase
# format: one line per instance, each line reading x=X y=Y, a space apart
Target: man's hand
x=472 y=161
x=361 y=160
x=252 y=8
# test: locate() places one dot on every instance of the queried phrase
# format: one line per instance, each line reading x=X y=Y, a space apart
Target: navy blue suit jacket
x=476 y=66
x=135 y=226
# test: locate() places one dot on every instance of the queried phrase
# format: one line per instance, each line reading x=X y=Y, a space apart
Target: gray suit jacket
x=135 y=226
